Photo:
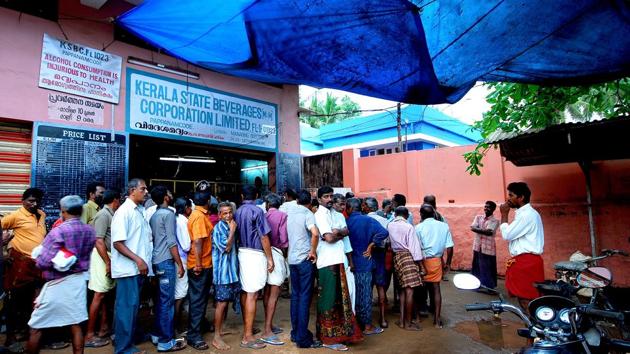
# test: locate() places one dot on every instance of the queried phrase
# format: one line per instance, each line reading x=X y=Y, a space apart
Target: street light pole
x=398 y=127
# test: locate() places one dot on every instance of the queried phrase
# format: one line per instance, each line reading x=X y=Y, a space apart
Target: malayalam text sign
x=79 y=70
x=173 y=108
x=73 y=109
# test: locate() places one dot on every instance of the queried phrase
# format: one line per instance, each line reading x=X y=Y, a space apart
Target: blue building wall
x=416 y=119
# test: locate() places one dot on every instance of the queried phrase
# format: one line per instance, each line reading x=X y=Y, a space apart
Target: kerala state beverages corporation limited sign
x=176 y=109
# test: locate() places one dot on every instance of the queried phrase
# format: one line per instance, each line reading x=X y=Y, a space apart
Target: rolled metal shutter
x=15 y=165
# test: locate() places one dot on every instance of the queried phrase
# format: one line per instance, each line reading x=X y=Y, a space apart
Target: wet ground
x=463 y=332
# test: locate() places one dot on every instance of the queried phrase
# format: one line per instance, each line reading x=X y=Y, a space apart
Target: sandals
x=273 y=340
x=336 y=347
x=200 y=345
x=375 y=330
x=57 y=345
x=255 y=344
x=174 y=345
x=96 y=342
x=276 y=330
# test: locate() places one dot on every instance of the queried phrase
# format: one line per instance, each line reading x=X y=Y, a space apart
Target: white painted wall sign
x=79 y=70
x=72 y=109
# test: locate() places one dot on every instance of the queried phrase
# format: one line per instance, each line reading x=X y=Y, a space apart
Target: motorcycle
x=566 y=278
x=569 y=273
x=558 y=324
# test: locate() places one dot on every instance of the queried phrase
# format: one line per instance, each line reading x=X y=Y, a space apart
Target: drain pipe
x=586 y=169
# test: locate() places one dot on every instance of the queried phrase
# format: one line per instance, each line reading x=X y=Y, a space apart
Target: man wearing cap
x=63 y=299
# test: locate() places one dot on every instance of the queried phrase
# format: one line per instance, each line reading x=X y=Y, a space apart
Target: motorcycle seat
x=550 y=287
x=570 y=266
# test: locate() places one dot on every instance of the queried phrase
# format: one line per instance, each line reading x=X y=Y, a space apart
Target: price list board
x=289 y=172
x=66 y=160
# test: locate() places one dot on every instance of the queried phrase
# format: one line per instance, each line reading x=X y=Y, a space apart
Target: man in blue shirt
x=254 y=256
x=365 y=233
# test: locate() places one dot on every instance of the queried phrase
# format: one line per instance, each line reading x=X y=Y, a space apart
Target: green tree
x=518 y=107
x=329 y=110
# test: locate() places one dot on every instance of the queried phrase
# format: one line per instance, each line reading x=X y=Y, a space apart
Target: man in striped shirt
x=224 y=258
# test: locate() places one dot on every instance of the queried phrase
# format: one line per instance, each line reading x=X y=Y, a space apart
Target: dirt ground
x=463 y=332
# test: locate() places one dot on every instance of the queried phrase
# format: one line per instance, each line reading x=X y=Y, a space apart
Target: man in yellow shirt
x=94 y=194
x=23 y=278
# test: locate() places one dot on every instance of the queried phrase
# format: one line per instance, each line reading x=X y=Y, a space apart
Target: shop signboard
x=80 y=70
x=161 y=106
x=73 y=109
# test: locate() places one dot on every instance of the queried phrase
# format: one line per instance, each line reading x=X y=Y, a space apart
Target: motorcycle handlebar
x=611 y=252
x=478 y=307
x=613 y=315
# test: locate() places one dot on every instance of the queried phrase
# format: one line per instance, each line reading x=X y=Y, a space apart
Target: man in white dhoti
x=62 y=300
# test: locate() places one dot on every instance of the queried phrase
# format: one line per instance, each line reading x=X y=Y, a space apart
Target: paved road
x=464 y=332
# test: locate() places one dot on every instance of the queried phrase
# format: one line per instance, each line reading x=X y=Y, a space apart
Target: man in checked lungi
x=407 y=263
x=63 y=299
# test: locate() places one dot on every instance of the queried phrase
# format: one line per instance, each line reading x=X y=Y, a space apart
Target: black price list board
x=289 y=172
x=66 y=160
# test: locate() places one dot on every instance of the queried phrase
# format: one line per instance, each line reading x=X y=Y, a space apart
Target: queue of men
x=199 y=250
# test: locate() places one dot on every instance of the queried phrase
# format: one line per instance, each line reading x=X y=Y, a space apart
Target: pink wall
x=21 y=40
x=558 y=193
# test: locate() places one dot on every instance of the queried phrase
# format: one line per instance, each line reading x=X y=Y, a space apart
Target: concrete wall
x=558 y=193
x=21 y=42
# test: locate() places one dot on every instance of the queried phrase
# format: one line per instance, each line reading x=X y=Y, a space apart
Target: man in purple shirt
x=254 y=255
x=63 y=299
x=279 y=243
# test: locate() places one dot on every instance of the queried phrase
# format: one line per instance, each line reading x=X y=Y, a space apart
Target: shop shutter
x=15 y=165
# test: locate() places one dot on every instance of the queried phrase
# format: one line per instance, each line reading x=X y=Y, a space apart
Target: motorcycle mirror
x=595 y=278
x=466 y=281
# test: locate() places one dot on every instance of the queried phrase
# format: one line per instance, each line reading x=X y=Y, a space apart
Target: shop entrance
x=179 y=165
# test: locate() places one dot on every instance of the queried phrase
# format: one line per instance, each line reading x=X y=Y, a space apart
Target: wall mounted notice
x=80 y=70
x=72 y=109
x=288 y=172
x=161 y=106
x=65 y=160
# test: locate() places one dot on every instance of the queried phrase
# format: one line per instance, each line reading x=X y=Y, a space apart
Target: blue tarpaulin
x=421 y=52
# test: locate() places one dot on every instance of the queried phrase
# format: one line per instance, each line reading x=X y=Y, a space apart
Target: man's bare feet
x=218 y=343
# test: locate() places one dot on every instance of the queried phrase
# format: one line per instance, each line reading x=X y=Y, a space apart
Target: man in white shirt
x=339 y=223
x=336 y=323
x=132 y=249
x=436 y=239
x=526 y=237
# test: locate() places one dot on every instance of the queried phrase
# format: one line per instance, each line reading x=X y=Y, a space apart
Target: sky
x=469 y=109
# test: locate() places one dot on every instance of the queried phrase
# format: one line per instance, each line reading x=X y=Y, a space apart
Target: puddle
x=493 y=332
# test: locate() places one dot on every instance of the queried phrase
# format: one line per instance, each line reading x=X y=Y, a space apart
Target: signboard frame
x=246 y=146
